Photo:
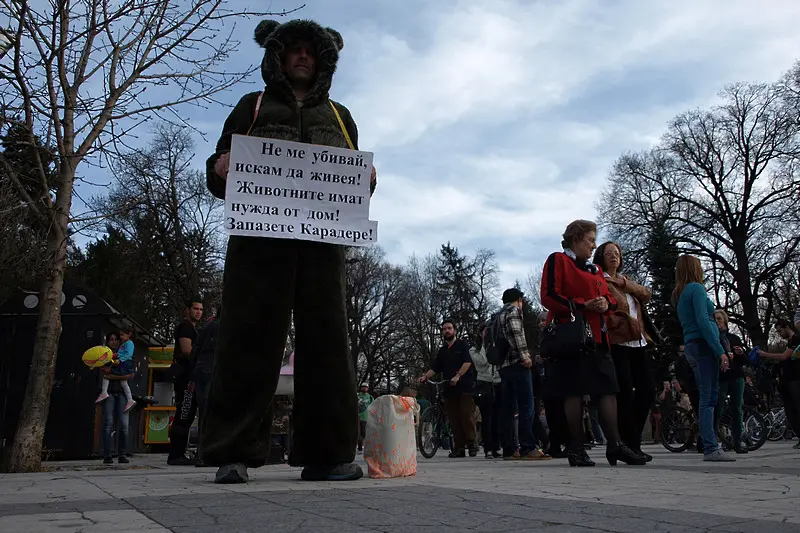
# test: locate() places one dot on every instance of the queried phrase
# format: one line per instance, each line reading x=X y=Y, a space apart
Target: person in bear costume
x=266 y=281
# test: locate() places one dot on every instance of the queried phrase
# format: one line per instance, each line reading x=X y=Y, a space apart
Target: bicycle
x=433 y=425
x=755 y=429
x=680 y=429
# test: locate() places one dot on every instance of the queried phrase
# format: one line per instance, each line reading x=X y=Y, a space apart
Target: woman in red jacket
x=571 y=276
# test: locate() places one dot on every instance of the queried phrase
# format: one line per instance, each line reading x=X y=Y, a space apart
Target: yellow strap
x=341 y=125
x=255 y=115
x=335 y=112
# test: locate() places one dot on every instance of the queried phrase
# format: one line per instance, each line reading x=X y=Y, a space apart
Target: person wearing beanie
x=517 y=383
x=267 y=281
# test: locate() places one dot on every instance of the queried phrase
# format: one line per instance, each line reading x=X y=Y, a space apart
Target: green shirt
x=364 y=401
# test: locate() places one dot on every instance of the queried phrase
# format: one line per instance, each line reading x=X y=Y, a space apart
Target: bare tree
x=532 y=286
x=374 y=297
x=422 y=313
x=163 y=206
x=162 y=217
x=724 y=183
x=487 y=282
x=82 y=75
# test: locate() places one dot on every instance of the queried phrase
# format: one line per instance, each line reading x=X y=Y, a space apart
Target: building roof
x=76 y=301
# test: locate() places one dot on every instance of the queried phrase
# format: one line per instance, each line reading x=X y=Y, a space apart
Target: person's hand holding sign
x=224 y=163
x=373 y=181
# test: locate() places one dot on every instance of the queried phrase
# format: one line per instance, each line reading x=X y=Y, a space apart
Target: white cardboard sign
x=292 y=190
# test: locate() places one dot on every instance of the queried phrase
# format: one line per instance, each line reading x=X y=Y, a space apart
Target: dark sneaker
x=122 y=460
x=235 y=473
x=342 y=472
x=108 y=461
x=180 y=461
x=513 y=457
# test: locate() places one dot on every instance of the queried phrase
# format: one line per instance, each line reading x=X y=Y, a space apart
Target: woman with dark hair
x=487 y=394
x=571 y=284
x=702 y=348
x=629 y=341
x=114 y=410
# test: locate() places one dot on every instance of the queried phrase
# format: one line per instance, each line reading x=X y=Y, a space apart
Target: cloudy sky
x=494 y=123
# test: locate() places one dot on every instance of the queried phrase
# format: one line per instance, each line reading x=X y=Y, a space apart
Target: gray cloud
x=495 y=123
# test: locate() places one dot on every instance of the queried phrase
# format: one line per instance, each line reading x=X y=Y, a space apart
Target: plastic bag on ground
x=390 y=446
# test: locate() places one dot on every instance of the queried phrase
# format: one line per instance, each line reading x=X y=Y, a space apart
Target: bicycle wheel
x=755 y=429
x=776 y=421
x=676 y=430
x=429 y=432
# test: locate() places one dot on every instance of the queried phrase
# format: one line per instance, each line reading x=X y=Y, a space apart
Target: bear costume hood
x=275 y=37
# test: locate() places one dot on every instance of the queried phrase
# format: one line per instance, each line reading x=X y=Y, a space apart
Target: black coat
x=736 y=368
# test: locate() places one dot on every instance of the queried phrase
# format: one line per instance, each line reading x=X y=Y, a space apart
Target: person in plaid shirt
x=517 y=384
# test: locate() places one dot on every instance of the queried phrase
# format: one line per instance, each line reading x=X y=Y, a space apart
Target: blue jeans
x=517 y=390
x=706 y=372
x=114 y=407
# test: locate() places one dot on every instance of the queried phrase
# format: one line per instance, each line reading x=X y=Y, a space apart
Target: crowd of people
x=581 y=387
x=594 y=364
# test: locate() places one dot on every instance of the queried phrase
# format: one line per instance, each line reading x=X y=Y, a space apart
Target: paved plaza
x=676 y=493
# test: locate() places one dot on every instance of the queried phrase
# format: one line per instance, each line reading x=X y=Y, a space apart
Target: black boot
x=638 y=451
x=620 y=452
x=577 y=456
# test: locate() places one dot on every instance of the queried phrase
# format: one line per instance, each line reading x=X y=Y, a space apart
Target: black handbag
x=651 y=329
x=572 y=339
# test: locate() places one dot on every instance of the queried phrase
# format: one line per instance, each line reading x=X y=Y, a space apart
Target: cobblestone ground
x=676 y=493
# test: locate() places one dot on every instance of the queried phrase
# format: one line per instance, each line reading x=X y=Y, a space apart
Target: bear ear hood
x=275 y=37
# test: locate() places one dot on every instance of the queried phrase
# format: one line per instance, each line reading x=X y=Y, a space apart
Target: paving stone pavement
x=675 y=493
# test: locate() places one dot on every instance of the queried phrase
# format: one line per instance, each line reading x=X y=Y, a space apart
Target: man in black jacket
x=268 y=281
x=454 y=362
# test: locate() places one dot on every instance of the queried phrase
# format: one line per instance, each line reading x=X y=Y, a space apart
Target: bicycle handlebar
x=431 y=382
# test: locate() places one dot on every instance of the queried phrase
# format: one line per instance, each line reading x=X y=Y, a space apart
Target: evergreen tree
x=22 y=236
x=661 y=254
x=456 y=289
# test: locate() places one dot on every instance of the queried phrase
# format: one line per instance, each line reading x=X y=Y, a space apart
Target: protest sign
x=292 y=190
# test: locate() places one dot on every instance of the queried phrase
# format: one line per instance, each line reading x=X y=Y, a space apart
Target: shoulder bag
x=563 y=340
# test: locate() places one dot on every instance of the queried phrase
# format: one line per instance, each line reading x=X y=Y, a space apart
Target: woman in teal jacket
x=702 y=349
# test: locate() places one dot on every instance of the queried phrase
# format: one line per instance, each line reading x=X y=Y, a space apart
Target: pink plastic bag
x=390 y=446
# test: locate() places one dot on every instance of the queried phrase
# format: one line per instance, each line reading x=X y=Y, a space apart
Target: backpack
x=495 y=341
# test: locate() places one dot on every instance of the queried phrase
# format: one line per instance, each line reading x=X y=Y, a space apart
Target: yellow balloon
x=97 y=356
